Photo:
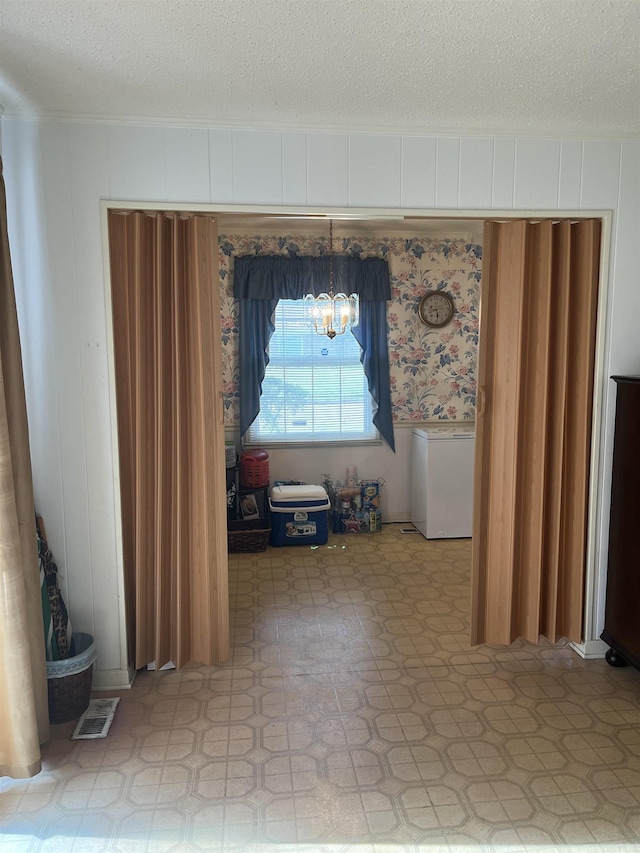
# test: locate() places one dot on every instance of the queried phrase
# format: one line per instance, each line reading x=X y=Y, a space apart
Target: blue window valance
x=261 y=280
x=282 y=277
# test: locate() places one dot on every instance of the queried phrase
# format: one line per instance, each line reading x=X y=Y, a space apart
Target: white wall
x=57 y=172
x=371 y=461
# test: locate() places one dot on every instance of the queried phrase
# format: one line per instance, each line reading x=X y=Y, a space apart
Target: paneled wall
x=57 y=172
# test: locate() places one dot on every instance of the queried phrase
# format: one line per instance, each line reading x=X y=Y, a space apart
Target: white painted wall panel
x=418 y=172
x=374 y=170
x=75 y=561
x=600 y=174
x=58 y=261
x=476 y=173
x=537 y=170
x=186 y=157
x=504 y=164
x=625 y=307
x=89 y=162
x=627 y=262
x=90 y=181
x=447 y=172
x=136 y=162
x=221 y=165
x=570 y=174
x=257 y=167
x=623 y=357
x=600 y=188
x=327 y=169
x=294 y=168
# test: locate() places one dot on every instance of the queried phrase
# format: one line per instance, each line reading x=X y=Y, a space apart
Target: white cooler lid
x=295 y=494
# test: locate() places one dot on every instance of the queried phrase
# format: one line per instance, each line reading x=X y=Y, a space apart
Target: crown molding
x=311 y=127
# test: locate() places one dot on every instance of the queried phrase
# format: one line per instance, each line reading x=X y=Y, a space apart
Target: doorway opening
x=229 y=221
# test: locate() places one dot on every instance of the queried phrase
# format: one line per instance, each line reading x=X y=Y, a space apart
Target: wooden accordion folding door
x=165 y=297
x=533 y=429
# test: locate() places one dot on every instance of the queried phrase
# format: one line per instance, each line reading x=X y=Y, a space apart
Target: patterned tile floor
x=353 y=718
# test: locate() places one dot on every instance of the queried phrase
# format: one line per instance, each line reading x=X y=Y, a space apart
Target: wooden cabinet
x=622 y=617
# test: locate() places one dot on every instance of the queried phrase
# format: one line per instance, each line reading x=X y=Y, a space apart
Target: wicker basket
x=69 y=680
x=248 y=536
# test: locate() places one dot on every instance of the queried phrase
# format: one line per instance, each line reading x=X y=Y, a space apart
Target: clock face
x=436 y=309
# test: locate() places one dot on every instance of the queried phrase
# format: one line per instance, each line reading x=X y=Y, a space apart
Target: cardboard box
x=370 y=491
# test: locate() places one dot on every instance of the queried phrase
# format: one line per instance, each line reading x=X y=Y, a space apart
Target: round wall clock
x=436 y=309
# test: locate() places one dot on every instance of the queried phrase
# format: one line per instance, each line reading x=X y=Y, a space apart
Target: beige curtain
x=533 y=431
x=167 y=343
x=24 y=716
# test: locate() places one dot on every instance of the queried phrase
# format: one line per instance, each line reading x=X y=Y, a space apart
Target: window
x=314 y=389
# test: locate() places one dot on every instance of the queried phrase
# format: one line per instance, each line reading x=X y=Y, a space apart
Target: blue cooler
x=299 y=515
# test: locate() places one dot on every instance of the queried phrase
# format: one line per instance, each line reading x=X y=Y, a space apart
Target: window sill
x=306 y=444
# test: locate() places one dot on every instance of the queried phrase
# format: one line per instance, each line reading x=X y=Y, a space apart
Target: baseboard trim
x=591 y=649
x=112 y=679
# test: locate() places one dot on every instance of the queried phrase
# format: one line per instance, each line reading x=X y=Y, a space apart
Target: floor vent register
x=96 y=720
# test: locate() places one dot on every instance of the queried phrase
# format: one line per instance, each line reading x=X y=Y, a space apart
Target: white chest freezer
x=442 y=482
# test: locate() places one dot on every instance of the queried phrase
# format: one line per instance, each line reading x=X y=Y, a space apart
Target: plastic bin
x=356 y=521
x=299 y=515
x=69 y=680
x=254 y=469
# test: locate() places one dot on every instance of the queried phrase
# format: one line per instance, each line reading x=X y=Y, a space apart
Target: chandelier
x=332 y=314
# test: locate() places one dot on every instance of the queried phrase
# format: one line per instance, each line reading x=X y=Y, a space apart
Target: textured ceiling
x=530 y=66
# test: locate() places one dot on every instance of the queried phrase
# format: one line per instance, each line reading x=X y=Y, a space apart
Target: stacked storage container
x=356 y=509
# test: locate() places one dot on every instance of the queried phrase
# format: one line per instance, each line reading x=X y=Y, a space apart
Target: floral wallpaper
x=433 y=371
